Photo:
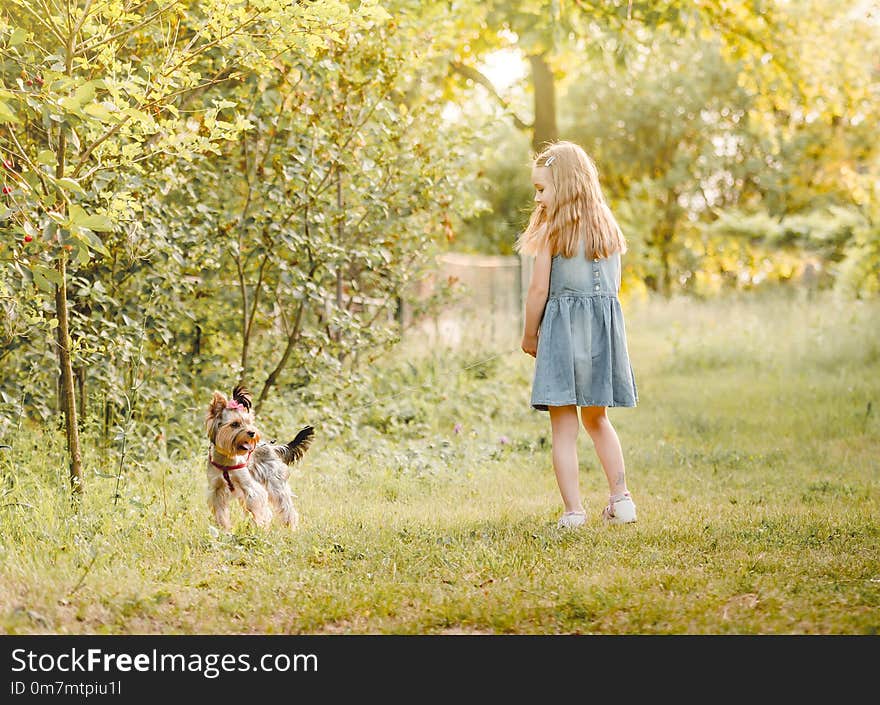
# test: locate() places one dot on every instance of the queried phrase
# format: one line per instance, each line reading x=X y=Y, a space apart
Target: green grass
x=754 y=458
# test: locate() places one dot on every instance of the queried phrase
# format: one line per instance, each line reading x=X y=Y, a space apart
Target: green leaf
x=81 y=253
x=6 y=113
x=71 y=185
x=76 y=214
x=46 y=156
x=45 y=278
x=101 y=223
x=70 y=105
x=84 y=94
x=93 y=241
x=100 y=111
x=18 y=36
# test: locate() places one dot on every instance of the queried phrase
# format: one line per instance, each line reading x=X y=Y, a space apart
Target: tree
x=91 y=100
x=336 y=197
x=695 y=111
x=544 y=35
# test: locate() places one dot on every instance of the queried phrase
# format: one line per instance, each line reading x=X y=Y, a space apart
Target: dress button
x=596 y=287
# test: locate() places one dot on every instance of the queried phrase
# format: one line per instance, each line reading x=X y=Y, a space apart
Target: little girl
x=574 y=323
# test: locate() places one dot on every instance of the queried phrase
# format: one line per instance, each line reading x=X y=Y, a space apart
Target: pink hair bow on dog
x=232 y=404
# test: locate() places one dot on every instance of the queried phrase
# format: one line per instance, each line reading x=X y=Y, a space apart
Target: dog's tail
x=297 y=448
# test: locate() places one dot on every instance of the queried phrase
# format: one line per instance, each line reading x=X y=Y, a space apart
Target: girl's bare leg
x=607 y=445
x=565 y=428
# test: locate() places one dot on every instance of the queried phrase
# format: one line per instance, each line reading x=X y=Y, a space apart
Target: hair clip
x=232 y=404
x=550 y=160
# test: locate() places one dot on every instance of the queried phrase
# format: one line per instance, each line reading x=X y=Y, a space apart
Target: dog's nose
x=252 y=433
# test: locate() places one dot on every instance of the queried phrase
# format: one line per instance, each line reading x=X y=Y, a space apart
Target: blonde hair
x=579 y=210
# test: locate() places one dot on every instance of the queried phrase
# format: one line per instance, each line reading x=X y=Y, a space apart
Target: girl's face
x=545 y=193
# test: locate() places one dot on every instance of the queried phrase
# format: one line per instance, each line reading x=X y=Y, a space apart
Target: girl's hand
x=530 y=344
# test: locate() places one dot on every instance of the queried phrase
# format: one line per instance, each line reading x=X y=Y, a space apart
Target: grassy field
x=753 y=456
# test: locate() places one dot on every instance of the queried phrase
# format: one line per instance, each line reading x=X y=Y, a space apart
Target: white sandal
x=572 y=520
x=620 y=510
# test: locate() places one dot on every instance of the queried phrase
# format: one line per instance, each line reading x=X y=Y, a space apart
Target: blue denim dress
x=582 y=354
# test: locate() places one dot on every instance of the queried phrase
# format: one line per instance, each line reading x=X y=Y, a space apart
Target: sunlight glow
x=504 y=68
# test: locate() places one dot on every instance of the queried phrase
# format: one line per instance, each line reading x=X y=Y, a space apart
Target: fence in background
x=487 y=302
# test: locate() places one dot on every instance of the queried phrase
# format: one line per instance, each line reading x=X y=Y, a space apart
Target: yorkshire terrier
x=241 y=466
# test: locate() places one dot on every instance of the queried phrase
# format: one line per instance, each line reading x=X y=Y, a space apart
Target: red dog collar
x=227 y=468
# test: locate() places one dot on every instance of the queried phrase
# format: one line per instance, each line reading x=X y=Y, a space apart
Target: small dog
x=240 y=466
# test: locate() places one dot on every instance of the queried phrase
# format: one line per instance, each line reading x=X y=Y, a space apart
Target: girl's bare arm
x=536 y=300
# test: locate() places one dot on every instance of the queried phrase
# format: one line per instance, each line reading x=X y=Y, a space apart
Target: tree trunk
x=292 y=340
x=68 y=393
x=340 y=235
x=665 y=256
x=544 y=129
x=667 y=238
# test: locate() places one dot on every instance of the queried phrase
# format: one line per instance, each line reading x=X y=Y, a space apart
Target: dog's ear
x=218 y=403
x=243 y=396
